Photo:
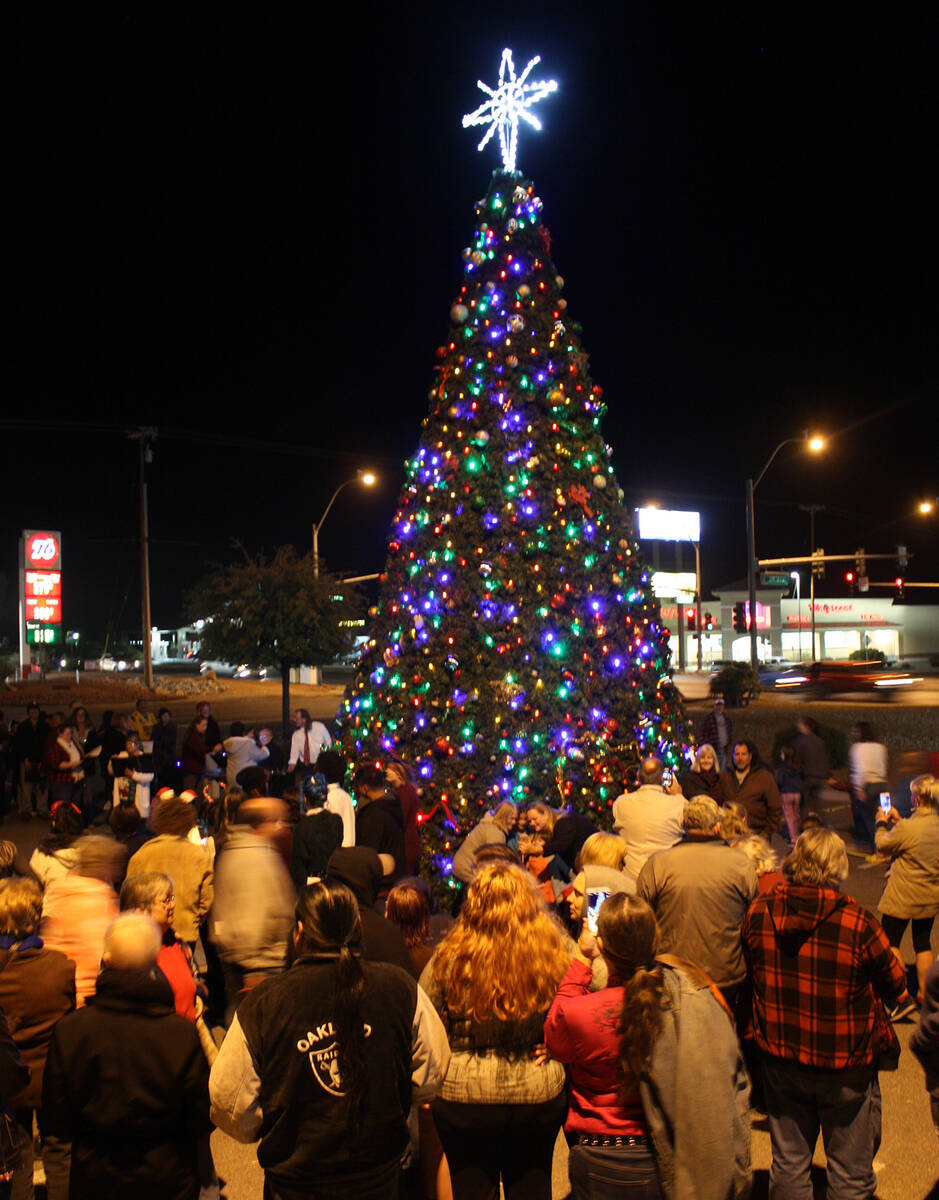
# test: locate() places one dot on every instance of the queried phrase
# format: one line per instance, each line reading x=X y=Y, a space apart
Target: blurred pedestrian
x=811 y=760
x=78 y=908
x=867 y=767
x=252 y=913
x=789 y=782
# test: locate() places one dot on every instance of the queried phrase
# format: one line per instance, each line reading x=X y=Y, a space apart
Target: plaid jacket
x=822 y=970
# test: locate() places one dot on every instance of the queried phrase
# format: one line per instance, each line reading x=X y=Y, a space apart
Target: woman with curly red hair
x=492 y=980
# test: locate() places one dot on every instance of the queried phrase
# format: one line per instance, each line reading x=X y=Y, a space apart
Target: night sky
x=248 y=234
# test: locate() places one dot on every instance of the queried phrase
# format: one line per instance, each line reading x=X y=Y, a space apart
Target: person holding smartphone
x=912 y=888
x=659 y=1097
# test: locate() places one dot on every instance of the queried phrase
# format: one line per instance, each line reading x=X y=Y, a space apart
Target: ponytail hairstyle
x=629 y=935
x=329 y=930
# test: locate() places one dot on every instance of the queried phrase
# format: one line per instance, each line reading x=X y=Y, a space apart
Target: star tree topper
x=507 y=103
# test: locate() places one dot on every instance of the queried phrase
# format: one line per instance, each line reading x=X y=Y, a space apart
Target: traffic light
x=740 y=617
x=860 y=562
x=849 y=580
x=689 y=619
x=898 y=585
x=708 y=622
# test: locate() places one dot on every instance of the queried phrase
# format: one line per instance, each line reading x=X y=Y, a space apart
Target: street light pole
x=815 y=444
x=367 y=479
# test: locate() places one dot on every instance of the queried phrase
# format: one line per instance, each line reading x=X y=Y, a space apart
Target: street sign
x=775 y=579
x=863 y=583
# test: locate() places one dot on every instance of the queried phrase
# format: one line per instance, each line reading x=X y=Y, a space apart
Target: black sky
x=250 y=230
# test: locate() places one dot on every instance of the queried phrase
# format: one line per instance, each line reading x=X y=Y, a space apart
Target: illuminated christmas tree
x=517 y=650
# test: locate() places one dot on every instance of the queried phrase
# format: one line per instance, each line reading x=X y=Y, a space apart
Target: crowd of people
x=247 y=945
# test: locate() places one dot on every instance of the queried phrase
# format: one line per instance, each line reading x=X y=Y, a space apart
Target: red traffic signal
x=849 y=577
x=689 y=619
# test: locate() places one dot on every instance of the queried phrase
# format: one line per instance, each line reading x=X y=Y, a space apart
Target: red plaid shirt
x=822 y=970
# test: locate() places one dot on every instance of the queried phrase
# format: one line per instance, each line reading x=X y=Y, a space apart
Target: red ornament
x=557 y=600
x=581 y=496
x=612 y=725
x=441 y=745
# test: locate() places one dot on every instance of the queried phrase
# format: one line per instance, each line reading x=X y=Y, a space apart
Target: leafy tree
x=273 y=614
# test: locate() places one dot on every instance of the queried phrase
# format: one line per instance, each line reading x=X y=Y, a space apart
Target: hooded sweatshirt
x=359 y=868
x=822 y=972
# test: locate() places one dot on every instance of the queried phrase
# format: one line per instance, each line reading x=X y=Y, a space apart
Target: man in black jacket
x=126 y=1081
x=379 y=817
x=361 y=870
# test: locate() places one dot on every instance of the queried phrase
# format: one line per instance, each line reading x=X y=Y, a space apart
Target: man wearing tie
x=309 y=738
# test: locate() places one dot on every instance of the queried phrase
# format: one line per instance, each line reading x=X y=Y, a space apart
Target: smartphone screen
x=595 y=900
x=885 y=804
x=666 y=778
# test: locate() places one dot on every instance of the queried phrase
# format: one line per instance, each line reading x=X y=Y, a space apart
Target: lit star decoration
x=508 y=103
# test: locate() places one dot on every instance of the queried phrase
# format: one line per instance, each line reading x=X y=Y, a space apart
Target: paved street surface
x=908 y=1162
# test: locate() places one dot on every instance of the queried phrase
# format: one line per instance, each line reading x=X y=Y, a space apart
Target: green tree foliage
x=517 y=649
x=273 y=614
x=737 y=682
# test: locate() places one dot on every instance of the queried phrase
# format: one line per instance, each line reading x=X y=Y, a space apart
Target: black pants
x=484 y=1142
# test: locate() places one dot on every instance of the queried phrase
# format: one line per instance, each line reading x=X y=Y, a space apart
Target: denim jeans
x=845 y=1105
x=611 y=1172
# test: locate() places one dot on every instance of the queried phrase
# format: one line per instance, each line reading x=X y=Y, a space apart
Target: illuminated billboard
x=668 y=525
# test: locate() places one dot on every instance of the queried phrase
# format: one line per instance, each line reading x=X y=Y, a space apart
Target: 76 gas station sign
x=41 y=587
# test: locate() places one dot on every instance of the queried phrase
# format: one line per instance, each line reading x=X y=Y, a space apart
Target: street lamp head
x=926 y=507
x=367 y=478
x=816 y=443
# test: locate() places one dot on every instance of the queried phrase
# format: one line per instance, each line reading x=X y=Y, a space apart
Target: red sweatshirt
x=581 y=1032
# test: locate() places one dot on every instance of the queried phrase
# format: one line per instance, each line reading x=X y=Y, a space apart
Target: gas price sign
x=41 y=586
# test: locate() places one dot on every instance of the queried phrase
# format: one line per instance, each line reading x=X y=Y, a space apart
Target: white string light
x=507 y=103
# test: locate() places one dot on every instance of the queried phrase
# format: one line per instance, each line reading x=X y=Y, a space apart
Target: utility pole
x=143 y=438
x=812 y=509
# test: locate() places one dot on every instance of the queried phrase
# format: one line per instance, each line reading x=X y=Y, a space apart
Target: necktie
x=306 y=748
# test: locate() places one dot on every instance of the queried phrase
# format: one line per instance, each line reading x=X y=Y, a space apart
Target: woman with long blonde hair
x=492 y=980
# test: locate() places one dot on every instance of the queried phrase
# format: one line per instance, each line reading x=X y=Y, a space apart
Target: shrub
x=868 y=655
x=737 y=682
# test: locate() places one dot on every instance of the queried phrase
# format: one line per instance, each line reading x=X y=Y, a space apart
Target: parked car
x=820 y=679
